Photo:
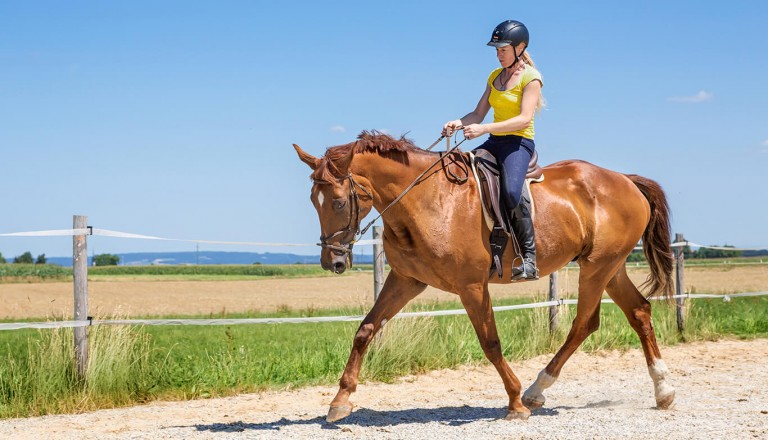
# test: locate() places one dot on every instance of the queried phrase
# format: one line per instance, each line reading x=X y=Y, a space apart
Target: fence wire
x=320 y=319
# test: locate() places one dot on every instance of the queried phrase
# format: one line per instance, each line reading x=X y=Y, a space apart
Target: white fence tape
x=118 y=234
x=317 y=319
x=52 y=233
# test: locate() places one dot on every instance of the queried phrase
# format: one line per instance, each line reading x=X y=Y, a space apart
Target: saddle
x=495 y=211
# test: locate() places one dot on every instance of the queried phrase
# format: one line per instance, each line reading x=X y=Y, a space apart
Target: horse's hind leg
x=477 y=302
x=593 y=278
x=638 y=311
x=395 y=294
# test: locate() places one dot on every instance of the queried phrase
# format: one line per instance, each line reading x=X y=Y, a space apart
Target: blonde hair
x=526 y=57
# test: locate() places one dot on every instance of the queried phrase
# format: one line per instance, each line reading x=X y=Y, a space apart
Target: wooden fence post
x=378 y=263
x=679 y=284
x=553 y=296
x=80 y=275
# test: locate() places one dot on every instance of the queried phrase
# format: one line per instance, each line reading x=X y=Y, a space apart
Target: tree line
x=688 y=253
x=27 y=258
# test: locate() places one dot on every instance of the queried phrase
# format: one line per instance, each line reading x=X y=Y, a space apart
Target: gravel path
x=722 y=392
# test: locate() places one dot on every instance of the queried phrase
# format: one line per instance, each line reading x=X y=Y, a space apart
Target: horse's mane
x=367 y=141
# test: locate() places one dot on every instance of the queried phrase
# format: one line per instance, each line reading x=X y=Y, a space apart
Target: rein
x=417 y=180
x=353 y=226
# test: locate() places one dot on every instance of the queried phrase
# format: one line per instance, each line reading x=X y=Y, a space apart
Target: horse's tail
x=656 y=238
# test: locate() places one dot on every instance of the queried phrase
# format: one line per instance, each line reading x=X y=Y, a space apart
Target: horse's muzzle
x=335 y=263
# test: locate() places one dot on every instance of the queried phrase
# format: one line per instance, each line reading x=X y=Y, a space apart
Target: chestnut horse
x=436 y=235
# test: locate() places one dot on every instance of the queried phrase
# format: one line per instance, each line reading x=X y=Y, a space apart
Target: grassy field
x=138 y=364
x=131 y=364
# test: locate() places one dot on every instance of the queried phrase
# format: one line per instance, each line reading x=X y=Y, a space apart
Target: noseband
x=353 y=226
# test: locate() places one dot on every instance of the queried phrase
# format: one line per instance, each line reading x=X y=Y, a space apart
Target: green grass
x=33 y=272
x=137 y=364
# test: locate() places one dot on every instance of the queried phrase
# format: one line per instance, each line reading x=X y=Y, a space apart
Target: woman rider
x=514 y=92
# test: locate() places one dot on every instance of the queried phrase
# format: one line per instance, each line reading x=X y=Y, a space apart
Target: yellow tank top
x=507 y=104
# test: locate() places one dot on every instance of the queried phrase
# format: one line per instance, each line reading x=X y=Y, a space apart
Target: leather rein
x=344 y=247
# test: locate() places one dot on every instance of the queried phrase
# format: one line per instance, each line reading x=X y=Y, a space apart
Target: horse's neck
x=389 y=178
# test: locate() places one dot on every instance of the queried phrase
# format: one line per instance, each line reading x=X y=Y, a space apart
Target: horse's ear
x=307 y=158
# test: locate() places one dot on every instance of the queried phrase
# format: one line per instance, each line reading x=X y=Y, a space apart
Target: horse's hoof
x=518 y=415
x=533 y=402
x=337 y=413
x=666 y=402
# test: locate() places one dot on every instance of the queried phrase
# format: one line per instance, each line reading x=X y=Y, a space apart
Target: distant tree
x=636 y=256
x=41 y=259
x=705 y=252
x=106 y=260
x=25 y=258
x=2 y=260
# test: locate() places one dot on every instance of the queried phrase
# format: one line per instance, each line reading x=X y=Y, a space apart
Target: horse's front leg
x=395 y=294
x=477 y=302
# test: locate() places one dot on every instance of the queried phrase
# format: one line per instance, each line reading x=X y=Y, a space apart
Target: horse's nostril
x=338 y=267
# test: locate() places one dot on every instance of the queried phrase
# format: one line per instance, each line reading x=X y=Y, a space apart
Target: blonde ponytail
x=526 y=57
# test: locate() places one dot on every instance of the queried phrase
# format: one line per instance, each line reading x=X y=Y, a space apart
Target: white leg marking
x=665 y=393
x=535 y=393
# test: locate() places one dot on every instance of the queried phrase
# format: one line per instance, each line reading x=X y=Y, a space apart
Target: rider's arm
x=476 y=116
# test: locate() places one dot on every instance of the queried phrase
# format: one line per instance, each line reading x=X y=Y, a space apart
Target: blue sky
x=176 y=118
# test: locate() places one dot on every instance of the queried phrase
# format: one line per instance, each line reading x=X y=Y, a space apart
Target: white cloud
x=695 y=99
x=338 y=129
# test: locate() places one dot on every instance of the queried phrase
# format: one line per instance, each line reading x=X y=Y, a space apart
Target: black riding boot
x=523 y=225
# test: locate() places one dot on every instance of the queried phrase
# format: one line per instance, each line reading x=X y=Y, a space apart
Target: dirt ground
x=141 y=298
x=722 y=393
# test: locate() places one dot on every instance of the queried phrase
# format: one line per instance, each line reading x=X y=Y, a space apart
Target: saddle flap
x=489 y=173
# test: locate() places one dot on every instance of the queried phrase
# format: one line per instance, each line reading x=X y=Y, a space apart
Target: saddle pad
x=488 y=216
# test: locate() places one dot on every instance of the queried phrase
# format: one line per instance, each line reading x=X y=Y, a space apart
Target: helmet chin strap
x=517 y=58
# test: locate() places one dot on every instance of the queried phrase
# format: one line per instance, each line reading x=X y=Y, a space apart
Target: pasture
x=139 y=364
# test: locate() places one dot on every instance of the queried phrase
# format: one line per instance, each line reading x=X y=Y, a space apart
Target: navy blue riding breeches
x=513 y=153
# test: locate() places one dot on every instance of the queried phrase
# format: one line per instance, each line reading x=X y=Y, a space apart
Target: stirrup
x=526 y=271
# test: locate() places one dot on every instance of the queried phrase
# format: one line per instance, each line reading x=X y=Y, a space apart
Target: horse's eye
x=339 y=204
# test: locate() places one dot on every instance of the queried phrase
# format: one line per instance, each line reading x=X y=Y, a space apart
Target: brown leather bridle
x=344 y=246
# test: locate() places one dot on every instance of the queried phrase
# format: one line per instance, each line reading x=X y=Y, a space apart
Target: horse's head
x=341 y=202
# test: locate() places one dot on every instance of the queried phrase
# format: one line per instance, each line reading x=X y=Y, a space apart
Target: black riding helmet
x=509 y=32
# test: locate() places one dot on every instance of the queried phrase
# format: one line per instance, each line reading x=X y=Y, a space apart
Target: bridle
x=353 y=225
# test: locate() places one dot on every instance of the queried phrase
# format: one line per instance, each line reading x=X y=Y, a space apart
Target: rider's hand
x=472 y=131
x=451 y=126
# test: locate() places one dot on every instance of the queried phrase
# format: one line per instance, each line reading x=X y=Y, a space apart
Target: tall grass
x=136 y=364
x=45 y=381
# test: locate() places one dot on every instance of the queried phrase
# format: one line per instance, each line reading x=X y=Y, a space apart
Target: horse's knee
x=641 y=321
x=492 y=350
x=364 y=334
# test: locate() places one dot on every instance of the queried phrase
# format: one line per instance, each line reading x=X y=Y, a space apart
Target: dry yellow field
x=141 y=298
